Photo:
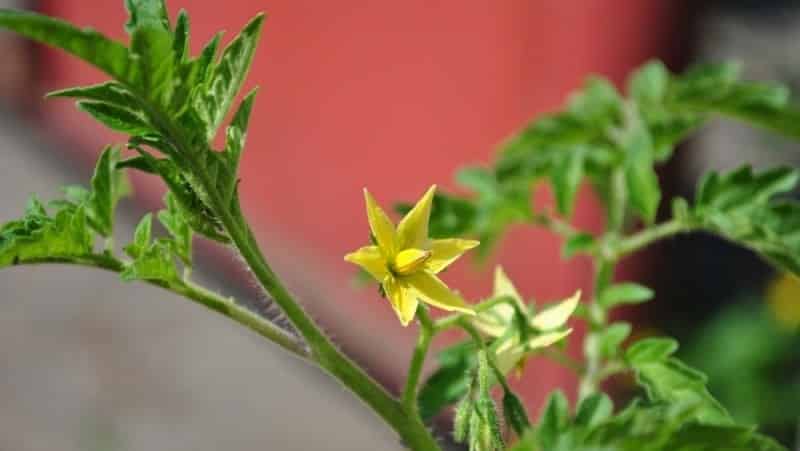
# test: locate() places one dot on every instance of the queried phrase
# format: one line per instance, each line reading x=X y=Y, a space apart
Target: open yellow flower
x=405 y=261
x=495 y=322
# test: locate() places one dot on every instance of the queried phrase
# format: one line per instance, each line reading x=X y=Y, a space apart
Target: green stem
x=418 y=359
x=476 y=337
x=604 y=272
x=648 y=236
x=226 y=306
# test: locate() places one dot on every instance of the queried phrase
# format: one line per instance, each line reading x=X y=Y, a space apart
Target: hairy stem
x=426 y=331
x=226 y=306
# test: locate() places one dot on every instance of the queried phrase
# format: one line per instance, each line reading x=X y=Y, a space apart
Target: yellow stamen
x=410 y=261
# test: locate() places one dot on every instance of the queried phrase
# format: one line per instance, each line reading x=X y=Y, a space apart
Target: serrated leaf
x=116 y=118
x=593 y=410
x=108 y=186
x=228 y=75
x=153 y=263
x=624 y=293
x=88 y=45
x=611 y=338
x=566 y=175
x=640 y=175
x=650 y=350
x=141 y=237
x=178 y=227
x=38 y=236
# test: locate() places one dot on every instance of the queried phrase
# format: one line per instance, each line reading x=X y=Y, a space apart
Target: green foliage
x=635 y=428
x=745 y=207
x=164 y=99
x=624 y=293
x=667 y=379
x=39 y=236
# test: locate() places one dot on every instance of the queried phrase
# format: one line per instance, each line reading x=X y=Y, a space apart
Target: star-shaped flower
x=405 y=261
x=546 y=326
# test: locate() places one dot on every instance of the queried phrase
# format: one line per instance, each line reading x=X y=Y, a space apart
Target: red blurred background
x=394 y=96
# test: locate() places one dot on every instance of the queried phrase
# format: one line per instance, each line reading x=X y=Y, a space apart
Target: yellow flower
x=405 y=261
x=495 y=322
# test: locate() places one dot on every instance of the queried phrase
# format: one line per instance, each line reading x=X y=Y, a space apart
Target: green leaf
x=180 y=43
x=640 y=176
x=228 y=75
x=742 y=206
x=624 y=293
x=146 y=14
x=110 y=92
x=593 y=410
x=580 y=242
x=612 y=337
x=236 y=136
x=153 y=49
x=108 y=187
x=554 y=420
x=650 y=350
x=39 y=236
x=153 y=263
x=649 y=84
x=667 y=379
x=566 y=175
x=177 y=225
x=88 y=45
x=116 y=118
x=515 y=414
x=141 y=237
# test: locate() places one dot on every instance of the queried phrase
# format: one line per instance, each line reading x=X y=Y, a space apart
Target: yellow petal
x=511 y=354
x=490 y=324
x=371 y=259
x=545 y=340
x=508 y=355
x=433 y=291
x=504 y=287
x=402 y=299
x=444 y=252
x=409 y=261
x=557 y=316
x=381 y=226
x=413 y=229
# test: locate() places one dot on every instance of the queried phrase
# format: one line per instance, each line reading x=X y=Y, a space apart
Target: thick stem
x=604 y=272
x=426 y=330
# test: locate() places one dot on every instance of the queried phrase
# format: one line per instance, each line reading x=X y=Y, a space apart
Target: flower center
x=410 y=261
